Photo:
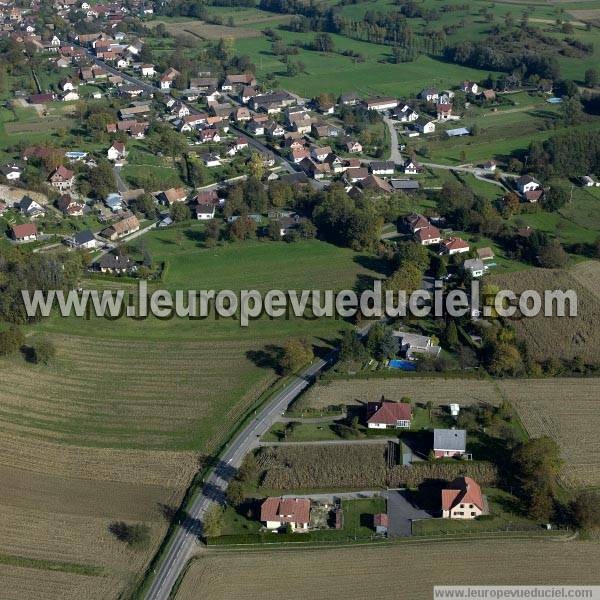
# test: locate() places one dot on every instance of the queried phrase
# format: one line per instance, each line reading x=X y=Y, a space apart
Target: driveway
x=401 y=513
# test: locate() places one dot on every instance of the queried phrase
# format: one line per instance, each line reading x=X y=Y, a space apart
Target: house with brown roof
x=389 y=415
x=462 y=499
x=276 y=513
x=122 y=228
x=62 y=178
x=168 y=77
x=172 y=195
x=26 y=232
x=237 y=80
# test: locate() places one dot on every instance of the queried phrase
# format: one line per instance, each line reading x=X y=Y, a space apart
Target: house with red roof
x=429 y=235
x=276 y=513
x=26 y=232
x=392 y=415
x=381 y=523
x=462 y=499
x=454 y=245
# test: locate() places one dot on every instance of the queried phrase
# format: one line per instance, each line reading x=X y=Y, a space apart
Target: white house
x=454 y=245
x=70 y=96
x=11 y=172
x=147 y=70
x=389 y=415
x=470 y=87
x=410 y=167
x=204 y=212
x=429 y=95
x=83 y=240
x=211 y=160
x=474 y=267
x=406 y=114
x=526 y=183
x=116 y=151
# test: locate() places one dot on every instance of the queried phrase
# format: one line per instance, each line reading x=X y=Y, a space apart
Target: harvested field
x=372 y=572
x=20 y=582
x=207 y=31
x=589 y=14
x=48 y=124
x=418 y=389
x=560 y=337
x=567 y=410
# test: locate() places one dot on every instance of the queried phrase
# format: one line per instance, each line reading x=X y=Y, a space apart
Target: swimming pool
x=554 y=100
x=405 y=365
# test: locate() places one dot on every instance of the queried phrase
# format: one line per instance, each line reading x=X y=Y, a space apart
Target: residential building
x=27 y=232
x=381 y=104
x=462 y=499
x=427 y=236
x=381 y=523
x=474 y=267
x=454 y=245
x=449 y=443
x=386 y=167
x=122 y=228
x=412 y=344
x=168 y=77
x=70 y=207
x=276 y=513
x=83 y=240
x=526 y=183
x=62 y=178
x=172 y=195
x=389 y=415
x=116 y=151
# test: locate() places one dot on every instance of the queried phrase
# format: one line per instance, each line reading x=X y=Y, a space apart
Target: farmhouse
x=234 y=81
x=278 y=512
x=112 y=263
x=405 y=185
x=444 y=112
x=462 y=499
x=354 y=147
x=454 y=245
x=428 y=235
x=62 y=178
x=449 y=443
x=388 y=415
x=27 y=232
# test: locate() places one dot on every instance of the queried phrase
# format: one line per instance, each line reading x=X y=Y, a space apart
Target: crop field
x=560 y=337
x=113 y=428
x=361 y=391
x=327 y=467
x=568 y=410
x=372 y=571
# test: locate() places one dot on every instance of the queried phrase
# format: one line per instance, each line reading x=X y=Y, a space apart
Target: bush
x=11 y=340
x=136 y=535
x=43 y=351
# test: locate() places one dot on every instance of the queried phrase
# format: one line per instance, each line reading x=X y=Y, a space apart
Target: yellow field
x=436 y=389
x=109 y=432
x=567 y=410
x=560 y=337
x=405 y=571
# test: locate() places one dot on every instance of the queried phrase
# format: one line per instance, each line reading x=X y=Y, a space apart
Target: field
x=198 y=30
x=371 y=571
x=418 y=389
x=113 y=428
x=560 y=337
x=567 y=410
x=352 y=467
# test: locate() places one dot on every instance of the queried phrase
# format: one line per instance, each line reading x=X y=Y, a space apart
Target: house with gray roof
x=449 y=443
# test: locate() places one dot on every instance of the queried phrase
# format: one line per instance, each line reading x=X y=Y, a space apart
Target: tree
x=295 y=354
x=586 y=509
x=256 y=166
x=351 y=347
x=552 y=255
x=243 y=228
x=43 y=351
x=212 y=526
x=180 y=212
x=572 y=111
x=591 y=78
x=323 y=42
x=137 y=535
x=451 y=334
x=381 y=342
x=506 y=360
x=235 y=492
x=11 y=340
x=101 y=180
x=407 y=278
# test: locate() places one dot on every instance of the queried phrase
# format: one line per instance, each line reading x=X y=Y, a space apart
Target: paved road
x=395 y=154
x=401 y=514
x=121 y=185
x=185 y=541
